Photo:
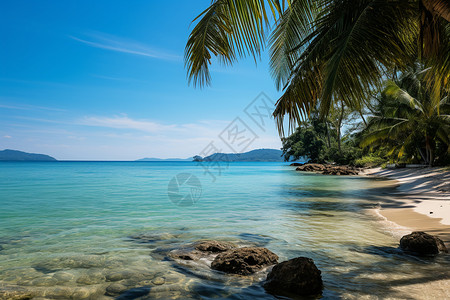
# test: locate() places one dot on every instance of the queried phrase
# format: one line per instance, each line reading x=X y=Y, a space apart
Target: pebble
x=115 y=289
x=159 y=281
x=59 y=292
x=63 y=276
x=44 y=281
x=91 y=278
x=81 y=293
x=117 y=276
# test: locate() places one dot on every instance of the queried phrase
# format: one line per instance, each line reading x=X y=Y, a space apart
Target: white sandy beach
x=422 y=199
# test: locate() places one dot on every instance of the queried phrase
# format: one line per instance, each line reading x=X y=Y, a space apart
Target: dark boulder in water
x=244 y=261
x=297 y=276
x=422 y=243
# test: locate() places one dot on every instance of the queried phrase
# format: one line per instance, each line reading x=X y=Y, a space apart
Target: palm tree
x=410 y=120
x=323 y=51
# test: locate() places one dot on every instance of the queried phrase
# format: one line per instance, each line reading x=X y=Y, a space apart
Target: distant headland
x=262 y=155
x=15 y=155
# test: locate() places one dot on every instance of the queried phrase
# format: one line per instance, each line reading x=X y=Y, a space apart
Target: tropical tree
x=310 y=140
x=323 y=51
x=410 y=122
x=321 y=141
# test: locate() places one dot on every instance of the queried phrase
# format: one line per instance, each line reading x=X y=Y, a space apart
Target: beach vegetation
x=322 y=141
x=411 y=123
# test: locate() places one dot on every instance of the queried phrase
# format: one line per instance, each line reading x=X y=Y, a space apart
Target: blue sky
x=105 y=80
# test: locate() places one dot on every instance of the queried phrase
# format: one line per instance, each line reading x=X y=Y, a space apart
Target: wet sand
x=421 y=201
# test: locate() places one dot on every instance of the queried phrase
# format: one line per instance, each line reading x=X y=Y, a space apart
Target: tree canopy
x=324 y=51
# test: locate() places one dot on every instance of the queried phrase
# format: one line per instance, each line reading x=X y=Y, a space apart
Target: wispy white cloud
x=124 y=122
x=123 y=137
x=29 y=107
x=204 y=128
x=7 y=136
x=118 y=44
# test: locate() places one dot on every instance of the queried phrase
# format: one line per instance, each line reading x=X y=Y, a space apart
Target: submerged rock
x=121 y=275
x=244 y=261
x=90 y=278
x=297 y=276
x=148 y=238
x=62 y=276
x=15 y=293
x=214 y=246
x=422 y=243
x=201 y=249
x=159 y=280
x=115 y=289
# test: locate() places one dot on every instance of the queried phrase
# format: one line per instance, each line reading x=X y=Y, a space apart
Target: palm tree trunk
x=328 y=134
x=438 y=7
x=429 y=151
x=423 y=156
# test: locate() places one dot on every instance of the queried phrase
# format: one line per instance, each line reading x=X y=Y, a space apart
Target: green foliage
x=411 y=122
x=318 y=142
x=370 y=161
x=326 y=51
x=307 y=141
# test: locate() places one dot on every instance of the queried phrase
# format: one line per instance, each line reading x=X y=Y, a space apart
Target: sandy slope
x=421 y=201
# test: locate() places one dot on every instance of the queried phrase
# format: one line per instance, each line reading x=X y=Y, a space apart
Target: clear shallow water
x=65 y=231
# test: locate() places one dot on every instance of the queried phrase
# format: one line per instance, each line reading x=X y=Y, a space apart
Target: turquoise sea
x=100 y=230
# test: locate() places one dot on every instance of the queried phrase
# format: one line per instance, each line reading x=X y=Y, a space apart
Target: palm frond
x=227 y=29
x=368 y=40
x=292 y=28
x=402 y=96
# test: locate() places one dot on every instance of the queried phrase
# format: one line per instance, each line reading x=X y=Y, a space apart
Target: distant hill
x=14 y=155
x=269 y=155
x=165 y=159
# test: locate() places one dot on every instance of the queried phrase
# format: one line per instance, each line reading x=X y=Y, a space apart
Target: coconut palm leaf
x=409 y=124
x=227 y=29
x=294 y=25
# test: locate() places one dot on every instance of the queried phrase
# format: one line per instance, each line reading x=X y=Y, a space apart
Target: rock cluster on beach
x=422 y=243
x=298 y=276
x=327 y=169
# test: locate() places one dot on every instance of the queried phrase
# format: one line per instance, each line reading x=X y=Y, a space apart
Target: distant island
x=14 y=155
x=165 y=159
x=262 y=155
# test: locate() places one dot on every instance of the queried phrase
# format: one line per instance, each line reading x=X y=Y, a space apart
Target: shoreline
x=420 y=202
